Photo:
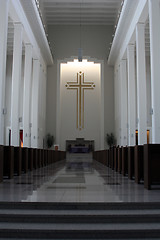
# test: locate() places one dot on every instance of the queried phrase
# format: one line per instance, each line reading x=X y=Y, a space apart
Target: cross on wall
x=80 y=86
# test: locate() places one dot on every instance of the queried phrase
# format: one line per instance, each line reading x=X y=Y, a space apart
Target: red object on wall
x=21 y=138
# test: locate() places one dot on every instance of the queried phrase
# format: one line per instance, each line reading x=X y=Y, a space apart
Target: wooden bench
x=116 y=158
x=45 y=157
x=107 y=157
x=8 y=161
x=64 y=155
x=39 y=158
x=130 y=162
x=120 y=160
x=25 y=159
x=104 y=157
x=56 y=156
x=112 y=158
x=30 y=159
x=94 y=155
x=1 y=162
x=35 y=158
x=124 y=161
x=42 y=157
x=139 y=163
x=49 y=156
x=18 y=160
x=151 y=165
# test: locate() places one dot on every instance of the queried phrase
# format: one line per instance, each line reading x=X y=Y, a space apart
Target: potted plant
x=110 y=139
x=49 y=140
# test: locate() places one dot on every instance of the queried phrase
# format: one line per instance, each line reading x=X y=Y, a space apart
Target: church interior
x=79 y=119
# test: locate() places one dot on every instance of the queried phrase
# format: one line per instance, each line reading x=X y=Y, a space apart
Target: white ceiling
x=76 y=12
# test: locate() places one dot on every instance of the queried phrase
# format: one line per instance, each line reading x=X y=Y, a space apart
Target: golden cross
x=80 y=86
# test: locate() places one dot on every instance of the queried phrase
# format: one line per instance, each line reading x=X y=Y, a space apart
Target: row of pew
x=18 y=160
x=140 y=163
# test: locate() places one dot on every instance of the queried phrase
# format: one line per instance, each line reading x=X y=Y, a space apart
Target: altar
x=80 y=145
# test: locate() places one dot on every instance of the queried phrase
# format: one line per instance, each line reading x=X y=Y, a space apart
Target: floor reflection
x=78 y=179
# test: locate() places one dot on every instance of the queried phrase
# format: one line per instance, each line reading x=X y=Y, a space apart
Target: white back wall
x=65 y=41
x=80 y=109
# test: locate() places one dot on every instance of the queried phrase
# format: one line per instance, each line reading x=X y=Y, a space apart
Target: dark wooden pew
x=30 y=159
x=1 y=162
x=25 y=159
x=107 y=157
x=104 y=157
x=49 y=156
x=52 y=157
x=120 y=160
x=63 y=155
x=55 y=156
x=35 y=158
x=99 y=156
x=130 y=162
x=94 y=155
x=112 y=158
x=116 y=158
x=8 y=161
x=139 y=163
x=151 y=165
x=42 y=157
x=45 y=157
x=18 y=160
x=124 y=161
x=39 y=158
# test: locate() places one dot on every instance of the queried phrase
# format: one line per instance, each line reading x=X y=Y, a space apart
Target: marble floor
x=78 y=179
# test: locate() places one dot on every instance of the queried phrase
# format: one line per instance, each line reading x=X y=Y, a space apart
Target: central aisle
x=78 y=179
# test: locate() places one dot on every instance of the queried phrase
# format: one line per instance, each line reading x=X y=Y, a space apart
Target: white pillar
x=154 y=20
x=131 y=95
x=16 y=78
x=124 y=99
x=141 y=84
x=119 y=133
x=35 y=98
x=3 y=52
x=27 y=95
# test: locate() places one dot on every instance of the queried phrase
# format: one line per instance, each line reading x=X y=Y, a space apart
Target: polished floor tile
x=78 y=179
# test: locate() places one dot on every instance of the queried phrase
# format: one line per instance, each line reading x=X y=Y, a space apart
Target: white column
x=131 y=95
x=119 y=114
x=124 y=99
x=16 y=78
x=35 y=98
x=154 y=20
x=3 y=52
x=27 y=95
x=141 y=84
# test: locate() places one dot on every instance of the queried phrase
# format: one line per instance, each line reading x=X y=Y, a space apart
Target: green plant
x=110 y=139
x=50 y=140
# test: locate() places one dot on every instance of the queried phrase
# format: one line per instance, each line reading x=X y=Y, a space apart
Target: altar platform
x=80 y=145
